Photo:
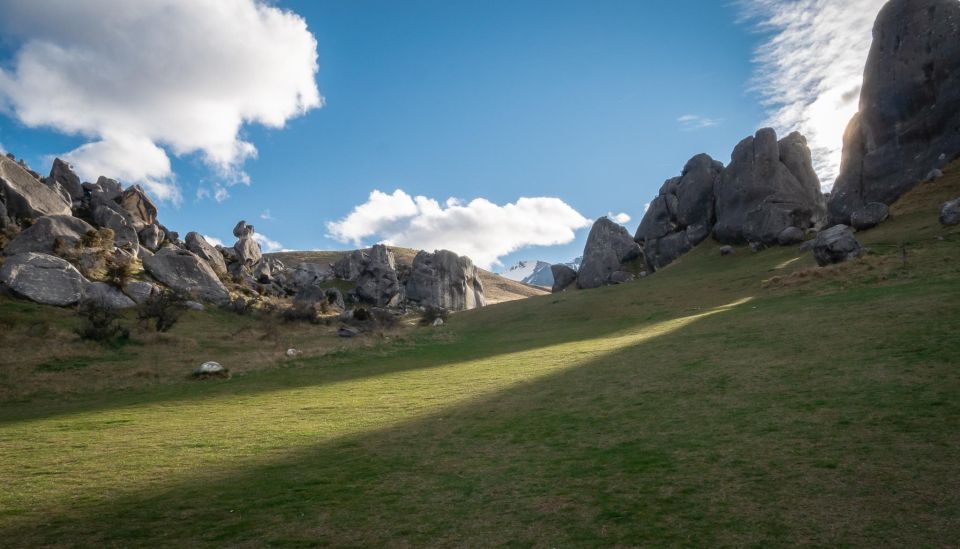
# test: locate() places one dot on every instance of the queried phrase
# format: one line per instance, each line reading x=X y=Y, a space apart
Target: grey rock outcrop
x=835 y=245
x=47 y=233
x=445 y=281
x=197 y=244
x=682 y=215
x=43 y=279
x=608 y=247
x=377 y=282
x=349 y=266
x=63 y=174
x=184 y=272
x=247 y=249
x=563 y=277
x=950 y=212
x=242 y=229
x=151 y=237
x=109 y=215
x=24 y=196
x=769 y=185
x=105 y=295
x=139 y=291
x=909 y=119
x=142 y=210
x=104 y=189
x=869 y=215
x=790 y=236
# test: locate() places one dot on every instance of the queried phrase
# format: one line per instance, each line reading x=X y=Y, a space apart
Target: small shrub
x=101 y=324
x=300 y=312
x=361 y=314
x=240 y=306
x=162 y=309
x=120 y=270
x=431 y=314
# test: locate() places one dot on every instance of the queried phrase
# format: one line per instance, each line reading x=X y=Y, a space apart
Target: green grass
x=751 y=400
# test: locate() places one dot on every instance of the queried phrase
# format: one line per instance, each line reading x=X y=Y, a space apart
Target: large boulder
x=349 y=266
x=682 y=215
x=248 y=251
x=186 y=273
x=151 y=237
x=106 y=295
x=108 y=214
x=909 y=119
x=242 y=229
x=869 y=215
x=104 y=189
x=47 y=233
x=950 y=212
x=835 y=245
x=25 y=196
x=142 y=210
x=43 y=278
x=197 y=244
x=445 y=281
x=608 y=247
x=62 y=173
x=563 y=277
x=769 y=185
x=377 y=282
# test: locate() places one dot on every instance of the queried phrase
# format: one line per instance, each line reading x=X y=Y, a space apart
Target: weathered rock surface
x=727 y=250
x=47 y=233
x=349 y=266
x=377 y=282
x=104 y=189
x=446 y=281
x=109 y=215
x=151 y=237
x=950 y=212
x=187 y=273
x=869 y=215
x=106 y=295
x=24 y=196
x=142 y=210
x=909 y=119
x=242 y=229
x=769 y=185
x=139 y=291
x=197 y=244
x=608 y=247
x=563 y=277
x=43 y=278
x=790 y=236
x=835 y=245
x=682 y=215
x=62 y=173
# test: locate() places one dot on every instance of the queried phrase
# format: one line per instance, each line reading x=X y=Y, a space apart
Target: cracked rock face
x=909 y=120
x=769 y=185
x=26 y=197
x=444 y=280
x=608 y=247
x=185 y=272
x=43 y=279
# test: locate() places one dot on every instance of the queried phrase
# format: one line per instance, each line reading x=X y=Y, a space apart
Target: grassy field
x=748 y=400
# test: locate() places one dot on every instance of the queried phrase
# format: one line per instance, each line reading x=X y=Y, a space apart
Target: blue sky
x=580 y=101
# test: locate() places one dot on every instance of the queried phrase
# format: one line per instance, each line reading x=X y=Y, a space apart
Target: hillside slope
x=745 y=400
x=496 y=288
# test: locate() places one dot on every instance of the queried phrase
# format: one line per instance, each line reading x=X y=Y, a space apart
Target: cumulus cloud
x=266 y=244
x=146 y=77
x=620 y=218
x=480 y=229
x=265 y=215
x=691 y=122
x=810 y=68
x=214 y=241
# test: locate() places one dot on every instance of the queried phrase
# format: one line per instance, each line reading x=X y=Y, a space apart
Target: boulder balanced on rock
x=608 y=247
x=909 y=106
x=769 y=186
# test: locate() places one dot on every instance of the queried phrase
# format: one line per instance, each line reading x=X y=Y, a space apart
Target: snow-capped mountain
x=537 y=273
x=575 y=264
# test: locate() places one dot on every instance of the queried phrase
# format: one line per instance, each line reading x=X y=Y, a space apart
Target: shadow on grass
x=662 y=442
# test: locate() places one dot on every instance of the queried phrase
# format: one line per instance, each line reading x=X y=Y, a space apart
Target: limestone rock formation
x=142 y=210
x=608 y=247
x=62 y=174
x=563 y=277
x=349 y=266
x=106 y=295
x=47 y=233
x=869 y=215
x=377 y=282
x=139 y=291
x=197 y=244
x=909 y=119
x=769 y=185
x=445 y=281
x=835 y=245
x=950 y=212
x=43 y=279
x=185 y=272
x=247 y=248
x=108 y=214
x=24 y=196
x=682 y=215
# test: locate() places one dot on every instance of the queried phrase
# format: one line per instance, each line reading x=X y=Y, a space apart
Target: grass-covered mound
x=744 y=400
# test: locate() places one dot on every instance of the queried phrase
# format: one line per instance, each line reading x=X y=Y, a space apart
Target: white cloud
x=220 y=193
x=214 y=241
x=480 y=229
x=266 y=244
x=810 y=68
x=133 y=77
x=646 y=207
x=265 y=215
x=691 y=122
x=620 y=218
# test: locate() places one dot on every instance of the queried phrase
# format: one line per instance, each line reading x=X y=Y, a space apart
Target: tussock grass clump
x=101 y=323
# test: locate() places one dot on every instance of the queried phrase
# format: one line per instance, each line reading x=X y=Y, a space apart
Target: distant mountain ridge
x=536 y=273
